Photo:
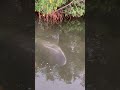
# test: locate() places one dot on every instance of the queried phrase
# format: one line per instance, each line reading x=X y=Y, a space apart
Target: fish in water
x=50 y=52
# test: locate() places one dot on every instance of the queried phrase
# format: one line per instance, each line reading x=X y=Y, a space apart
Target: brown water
x=69 y=39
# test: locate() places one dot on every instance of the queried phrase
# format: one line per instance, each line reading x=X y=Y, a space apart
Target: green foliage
x=47 y=6
x=75 y=9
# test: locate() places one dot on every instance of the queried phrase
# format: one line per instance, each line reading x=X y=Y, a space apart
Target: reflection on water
x=66 y=45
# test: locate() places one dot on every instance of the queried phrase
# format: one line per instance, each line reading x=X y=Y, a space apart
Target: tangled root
x=53 y=18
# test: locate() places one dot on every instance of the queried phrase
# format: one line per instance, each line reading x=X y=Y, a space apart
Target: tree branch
x=64 y=6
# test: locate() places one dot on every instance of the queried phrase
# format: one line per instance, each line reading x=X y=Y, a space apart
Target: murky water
x=60 y=56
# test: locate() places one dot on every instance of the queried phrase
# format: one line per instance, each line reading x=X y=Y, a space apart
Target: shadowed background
x=17 y=44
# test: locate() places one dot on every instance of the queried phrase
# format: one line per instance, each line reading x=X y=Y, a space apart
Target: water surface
x=70 y=38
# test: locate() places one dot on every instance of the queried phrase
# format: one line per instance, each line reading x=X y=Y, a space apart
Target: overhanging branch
x=69 y=3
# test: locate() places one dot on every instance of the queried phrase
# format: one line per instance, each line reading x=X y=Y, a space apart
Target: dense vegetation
x=56 y=10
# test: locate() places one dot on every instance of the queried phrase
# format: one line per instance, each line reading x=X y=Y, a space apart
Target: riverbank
x=54 y=11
